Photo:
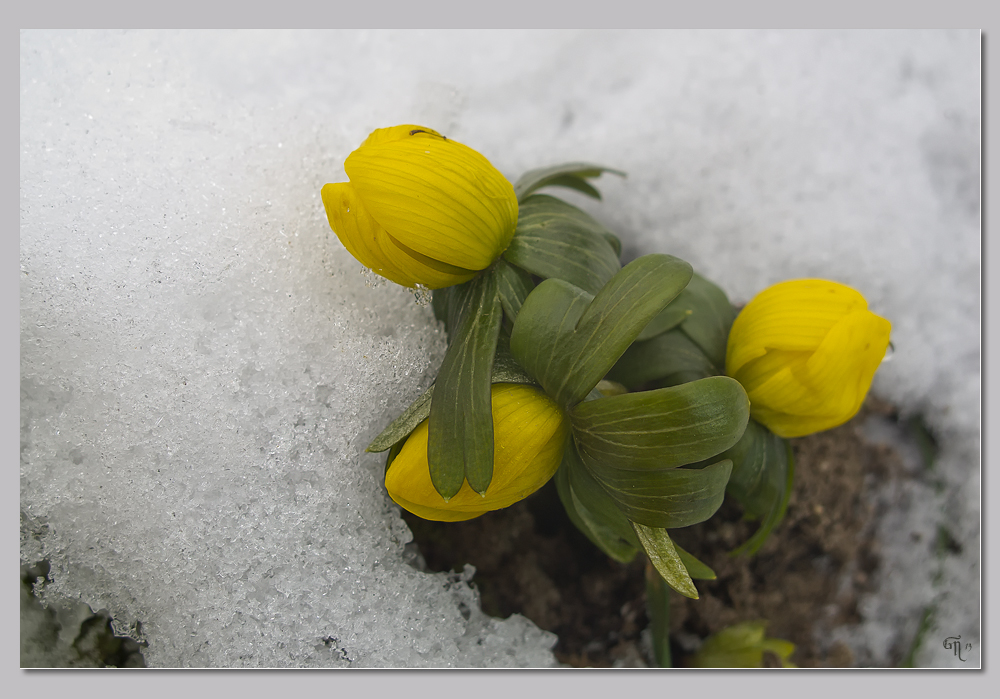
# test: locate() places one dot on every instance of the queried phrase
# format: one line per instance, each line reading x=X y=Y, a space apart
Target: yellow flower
x=529 y=431
x=421 y=208
x=806 y=351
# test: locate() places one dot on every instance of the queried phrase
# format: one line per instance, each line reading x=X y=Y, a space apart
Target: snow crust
x=202 y=363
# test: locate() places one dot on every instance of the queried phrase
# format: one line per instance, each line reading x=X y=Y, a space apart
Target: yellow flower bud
x=421 y=208
x=806 y=351
x=529 y=431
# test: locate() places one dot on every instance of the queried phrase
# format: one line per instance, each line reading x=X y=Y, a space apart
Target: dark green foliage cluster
x=634 y=356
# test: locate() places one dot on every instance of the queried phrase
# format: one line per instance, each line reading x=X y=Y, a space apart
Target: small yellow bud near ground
x=529 y=431
x=741 y=645
x=421 y=208
x=806 y=352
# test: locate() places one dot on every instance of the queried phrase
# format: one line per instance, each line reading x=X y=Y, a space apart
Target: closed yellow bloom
x=806 y=352
x=529 y=431
x=421 y=208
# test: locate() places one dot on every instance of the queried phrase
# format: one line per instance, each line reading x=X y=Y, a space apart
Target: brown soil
x=806 y=580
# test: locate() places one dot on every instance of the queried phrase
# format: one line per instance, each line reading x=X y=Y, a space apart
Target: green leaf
x=505 y=370
x=674 y=498
x=685 y=342
x=614 y=242
x=711 y=317
x=441 y=304
x=592 y=511
x=577 y=183
x=781 y=648
x=664 y=557
x=760 y=465
x=670 y=358
x=556 y=240
x=448 y=304
x=403 y=425
x=505 y=367
x=572 y=175
x=460 y=434
x=669 y=318
x=539 y=338
x=776 y=513
x=658 y=608
x=568 y=342
x=662 y=429
x=695 y=568
x=741 y=645
x=514 y=285
x=609 y=388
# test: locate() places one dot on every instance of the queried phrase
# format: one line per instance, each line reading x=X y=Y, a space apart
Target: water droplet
x=889 y=351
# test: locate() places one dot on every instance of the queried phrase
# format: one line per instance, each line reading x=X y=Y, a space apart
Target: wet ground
x=805 y=581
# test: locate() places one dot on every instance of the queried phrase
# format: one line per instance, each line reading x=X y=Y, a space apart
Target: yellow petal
x=529 y=432
x=760 y=374
x=374 y=248
x=795 y=315
x=833 y=380
x=435 y=196
x=806 y=393
x=432 y=273
x=846 y=361
x=790 y=426
x=395 y=133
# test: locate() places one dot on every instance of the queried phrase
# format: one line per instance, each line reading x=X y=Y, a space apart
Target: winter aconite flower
x=529 y=430
x=421 y=208
x=806 y=352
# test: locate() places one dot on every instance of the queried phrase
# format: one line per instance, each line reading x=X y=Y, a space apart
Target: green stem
x=658 y=608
